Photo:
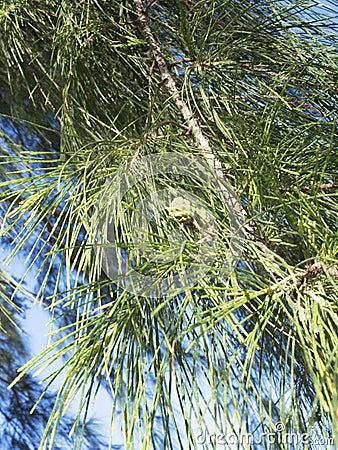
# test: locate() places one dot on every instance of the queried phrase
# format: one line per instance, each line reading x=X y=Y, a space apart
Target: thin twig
x=320 y=187
x=181 y=61
x=167 y=122
x=315 y=187
x=311 y=272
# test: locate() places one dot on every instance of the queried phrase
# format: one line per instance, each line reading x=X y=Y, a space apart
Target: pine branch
x=320 y=187
x=311 y=272
x=325 y=187
x=201 y=141
x=169 y=83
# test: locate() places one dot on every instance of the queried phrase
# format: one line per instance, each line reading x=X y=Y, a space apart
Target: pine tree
x=169 y=168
